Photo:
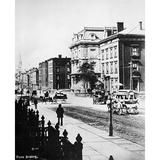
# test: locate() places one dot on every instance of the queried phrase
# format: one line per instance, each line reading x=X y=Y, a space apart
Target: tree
x=87 y=74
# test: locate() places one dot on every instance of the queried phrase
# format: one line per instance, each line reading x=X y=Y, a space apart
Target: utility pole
x=131 y=80
x=110 y=124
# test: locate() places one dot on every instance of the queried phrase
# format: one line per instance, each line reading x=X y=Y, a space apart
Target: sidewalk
x=97 y=145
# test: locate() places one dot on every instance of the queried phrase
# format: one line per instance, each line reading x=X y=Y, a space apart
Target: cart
x=60 y=98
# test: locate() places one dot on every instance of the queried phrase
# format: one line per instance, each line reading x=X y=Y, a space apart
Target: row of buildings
x=118 y=53
x=53 y=73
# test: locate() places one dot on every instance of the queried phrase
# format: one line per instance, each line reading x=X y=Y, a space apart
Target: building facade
x=33 y=79
x=59 y=70
x=25 y=79
x=123 y=59
x=43 y=75
x=85 y=48
x=118 y=53
x=54 y=73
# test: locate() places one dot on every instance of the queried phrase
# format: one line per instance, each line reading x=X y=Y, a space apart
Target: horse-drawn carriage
x=99 y=97
x=60 y=98
x=125 y=102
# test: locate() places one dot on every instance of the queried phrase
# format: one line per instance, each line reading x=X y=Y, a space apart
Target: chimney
x=59 y=56
x=140 y=25
x=120 y=26
x=109 y=32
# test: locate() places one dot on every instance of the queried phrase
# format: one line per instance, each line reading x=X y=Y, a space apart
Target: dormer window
x=92 y=35
x=81 y=36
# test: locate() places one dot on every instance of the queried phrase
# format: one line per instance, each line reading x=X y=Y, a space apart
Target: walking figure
x=35 y=103
x=60 y=112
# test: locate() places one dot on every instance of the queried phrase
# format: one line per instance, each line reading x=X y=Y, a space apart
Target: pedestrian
x=35 y=103
x=60 y=112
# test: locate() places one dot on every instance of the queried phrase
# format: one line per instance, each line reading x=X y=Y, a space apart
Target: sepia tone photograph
x=79 y=80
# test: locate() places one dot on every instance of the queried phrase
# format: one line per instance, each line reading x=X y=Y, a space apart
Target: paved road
x=97 y=145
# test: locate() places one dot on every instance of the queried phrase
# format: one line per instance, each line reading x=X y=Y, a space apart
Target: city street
x=92 y=123
x=130 y=127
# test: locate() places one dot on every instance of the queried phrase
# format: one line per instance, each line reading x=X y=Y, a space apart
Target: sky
x=44 y=28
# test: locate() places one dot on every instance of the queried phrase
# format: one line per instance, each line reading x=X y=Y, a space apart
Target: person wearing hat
x=60 y=112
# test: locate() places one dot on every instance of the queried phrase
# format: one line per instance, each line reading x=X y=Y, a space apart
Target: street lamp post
x=131 y=83
x=110 y=118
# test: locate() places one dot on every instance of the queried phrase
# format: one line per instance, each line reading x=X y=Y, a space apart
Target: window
x=80 y=36
x=92 y=36
x=115 y=52
x=57 y=69
x=107 y=68
x=106 y=53
x=116 y=67
x=135 y=66
x=116 y=82
x=68 y=77
x=68 y=69
x=92 y=49
x=135 y=51
x=57 y=77
x=102 y=68
x=102 y=54
x=112 y=83
x=111 y=52
x=111 y=64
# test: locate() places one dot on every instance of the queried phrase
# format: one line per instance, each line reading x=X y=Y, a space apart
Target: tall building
x=59 y=70
x=123 y=59
x=85 y=48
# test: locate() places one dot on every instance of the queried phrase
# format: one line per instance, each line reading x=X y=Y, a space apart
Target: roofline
x=55 y=58
x=83 y=43
x=119 y=35
x=94 y=29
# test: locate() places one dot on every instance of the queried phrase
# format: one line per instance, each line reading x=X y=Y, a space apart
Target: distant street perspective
x=79 y=80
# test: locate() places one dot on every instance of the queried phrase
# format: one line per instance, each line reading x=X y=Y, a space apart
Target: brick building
x=59 y=70
x=54 y=73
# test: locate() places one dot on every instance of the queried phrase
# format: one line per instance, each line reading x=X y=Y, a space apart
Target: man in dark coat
x=35 y=103
x=60 y=112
